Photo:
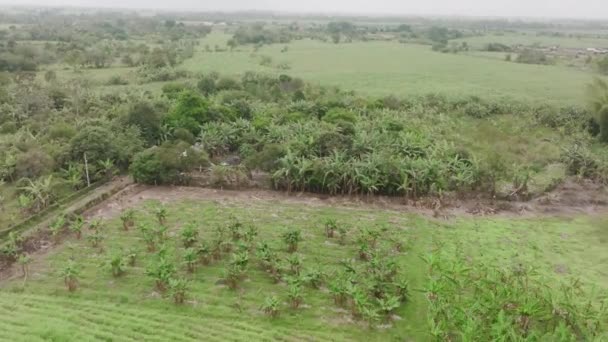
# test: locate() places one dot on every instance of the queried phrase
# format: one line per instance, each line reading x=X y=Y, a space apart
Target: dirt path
x=569 y=199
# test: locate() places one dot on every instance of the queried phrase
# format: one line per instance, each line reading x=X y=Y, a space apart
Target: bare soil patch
x=569 y=199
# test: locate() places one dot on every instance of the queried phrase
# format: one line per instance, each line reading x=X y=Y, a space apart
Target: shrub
x=173 y=90
x=189 y=235
x=70 y=276
x=191 y=111
x=579 y=161
x=61 y=131
x=292 y=238
x=603 y=123
x=178 y=289
x=33 y=164
x=207 y=85
x=337 y=114
x=497 y=47
x=117 y=80
x=531 y=56
x=167 y=164
x=147 y=118
x=271 y=306
x=267 y=159
x=117 y=264
x=128 y=218
x=602 y=65
x=98 y=142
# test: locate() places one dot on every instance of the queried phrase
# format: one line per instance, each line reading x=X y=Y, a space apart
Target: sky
x=596 y=9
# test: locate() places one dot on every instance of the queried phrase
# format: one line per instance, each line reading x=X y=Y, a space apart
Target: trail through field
x=570 y=198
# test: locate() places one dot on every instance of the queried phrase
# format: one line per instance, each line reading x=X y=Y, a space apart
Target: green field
x=383 y=68
x=387 y=68
x=129 y=308
x=531 y=38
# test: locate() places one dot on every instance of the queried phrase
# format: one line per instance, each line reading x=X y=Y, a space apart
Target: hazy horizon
x=581 y=9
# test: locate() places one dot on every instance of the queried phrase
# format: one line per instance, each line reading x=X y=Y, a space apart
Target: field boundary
x=77 y=206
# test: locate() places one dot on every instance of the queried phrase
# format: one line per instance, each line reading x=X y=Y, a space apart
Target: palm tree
x=597 y=94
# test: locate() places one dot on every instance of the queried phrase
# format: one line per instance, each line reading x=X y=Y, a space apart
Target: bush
x=267 y=159
x=96 y=141
x=531 y=56
x=602 y=66
x=579 y=161
x=117 y=80
x=227 y=83
x=207 y=85
x=190 y=112
x=33 y=164
x=603 y=123
x=173 y=90
x=337 y=114
x=497 y=47
x=167 y=164
x=147 y=118
x=61 y=131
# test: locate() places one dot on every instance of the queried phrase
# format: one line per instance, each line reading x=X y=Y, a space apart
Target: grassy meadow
x=380 y=69
x=383 y=68
x=129 y=307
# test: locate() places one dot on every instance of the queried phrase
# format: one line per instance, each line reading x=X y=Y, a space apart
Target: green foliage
x=190 y=235
x=117 y=264
x=191 y=257
x=167 y=164
x=145 y=116
x=33 y=164
x=271 y=306
x=190 y=112
x=295 y=296
x=128 y=218
x=12 y=247
x=532 y=56
x=97 y=142
x=162 y=271
x=602 y=65
x=70 y=274
x=178 y=287
x=331 y=225
x=95 y=239
x=292 y=238
x=57 y=226
x=76 y=226
x=507 y=304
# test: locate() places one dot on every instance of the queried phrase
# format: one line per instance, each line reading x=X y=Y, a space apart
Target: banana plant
x=70 y=275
